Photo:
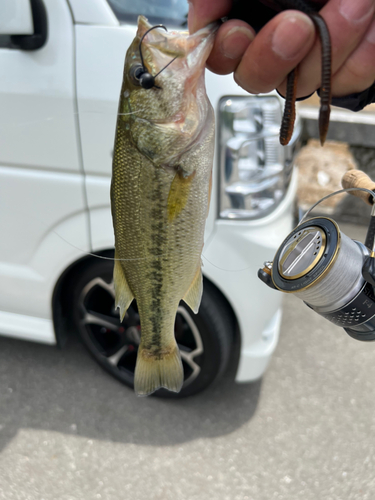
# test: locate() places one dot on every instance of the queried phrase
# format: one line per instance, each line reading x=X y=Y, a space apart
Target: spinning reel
x=333 y=274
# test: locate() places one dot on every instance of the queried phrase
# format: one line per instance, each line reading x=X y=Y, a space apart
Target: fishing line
x=147 y=32
x=137 y=259
x=95 y=255
x=140 y=74
x=67 y=115
x=141 y=258
x=80 y=113
x=51 y=118
x=203 y=256
x=226 y=270
x=346 y=190
x=163 y=255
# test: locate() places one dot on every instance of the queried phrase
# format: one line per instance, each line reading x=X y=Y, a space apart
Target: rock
x=320 y=170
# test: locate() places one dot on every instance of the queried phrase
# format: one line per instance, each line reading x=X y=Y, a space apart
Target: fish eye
x=135 y=73
x=140 y=76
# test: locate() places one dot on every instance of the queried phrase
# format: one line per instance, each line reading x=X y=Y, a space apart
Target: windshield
x=171 y=12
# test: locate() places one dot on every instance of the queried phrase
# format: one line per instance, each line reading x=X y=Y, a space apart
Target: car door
x=41 y=178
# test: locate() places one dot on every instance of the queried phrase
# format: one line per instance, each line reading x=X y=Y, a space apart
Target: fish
x=160 y=191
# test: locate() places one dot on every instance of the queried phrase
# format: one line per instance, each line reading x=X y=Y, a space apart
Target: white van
x=61 y=65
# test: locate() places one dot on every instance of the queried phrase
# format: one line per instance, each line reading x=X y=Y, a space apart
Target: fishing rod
x=333 y=274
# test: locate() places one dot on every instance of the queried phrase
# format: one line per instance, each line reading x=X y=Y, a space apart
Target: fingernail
x=191 y=18
x=356 y=10
x=370 y=35
x=293 y=31
x=236 y=42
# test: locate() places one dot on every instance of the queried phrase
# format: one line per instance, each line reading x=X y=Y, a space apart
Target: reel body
x=333 y=274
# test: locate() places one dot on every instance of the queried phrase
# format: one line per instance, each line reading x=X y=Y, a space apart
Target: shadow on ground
x=45 y=388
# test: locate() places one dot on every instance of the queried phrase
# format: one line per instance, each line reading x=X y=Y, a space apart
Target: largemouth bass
x=160 y=192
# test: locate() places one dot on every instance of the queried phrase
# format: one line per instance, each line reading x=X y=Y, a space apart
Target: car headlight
x=255 y=170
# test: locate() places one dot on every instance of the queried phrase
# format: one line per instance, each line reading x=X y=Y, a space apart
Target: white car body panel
x=63 y=100
x=34 y=257
x=37 y=99
x=16 y=18
x=41 y=176
x=93 y=12
x=21 y=326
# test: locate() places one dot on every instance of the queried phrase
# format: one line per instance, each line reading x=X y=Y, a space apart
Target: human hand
x=261 y=62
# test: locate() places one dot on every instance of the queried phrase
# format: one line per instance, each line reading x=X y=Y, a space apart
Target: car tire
x=205 y=339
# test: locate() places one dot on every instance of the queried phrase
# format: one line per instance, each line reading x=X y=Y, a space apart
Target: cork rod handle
x=358 y=179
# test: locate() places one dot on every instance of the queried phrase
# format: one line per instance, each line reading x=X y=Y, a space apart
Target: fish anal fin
x=156 y=369
x=178 y=194
x=123 y=294
x=193 y=296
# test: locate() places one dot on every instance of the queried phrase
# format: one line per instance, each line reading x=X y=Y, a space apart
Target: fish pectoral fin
x=178 y=194
x=123 y=295
x=158 y=369
x=193 y=296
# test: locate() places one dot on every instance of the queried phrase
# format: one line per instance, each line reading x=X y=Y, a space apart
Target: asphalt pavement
x=68 y=431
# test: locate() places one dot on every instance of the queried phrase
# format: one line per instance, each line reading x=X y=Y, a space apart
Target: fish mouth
x=159 y=47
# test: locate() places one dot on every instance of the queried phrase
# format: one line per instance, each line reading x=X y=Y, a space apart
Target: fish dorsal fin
x=178 y=194
x=193 y=296
x=123 y=295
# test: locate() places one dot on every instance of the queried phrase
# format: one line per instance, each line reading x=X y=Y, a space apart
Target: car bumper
x=232 y=256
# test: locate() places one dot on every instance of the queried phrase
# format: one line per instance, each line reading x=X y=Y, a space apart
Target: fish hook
x=146 y=80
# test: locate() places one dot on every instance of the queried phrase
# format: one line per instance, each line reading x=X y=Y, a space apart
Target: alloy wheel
x=117 y=343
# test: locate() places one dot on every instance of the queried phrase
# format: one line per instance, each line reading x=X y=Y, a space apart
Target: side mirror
x=25 y=21
x=16 y=17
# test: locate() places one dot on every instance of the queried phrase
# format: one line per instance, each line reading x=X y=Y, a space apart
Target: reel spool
x=333 y=274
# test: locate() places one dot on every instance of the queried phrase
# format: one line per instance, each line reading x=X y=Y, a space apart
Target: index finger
x=203 y=12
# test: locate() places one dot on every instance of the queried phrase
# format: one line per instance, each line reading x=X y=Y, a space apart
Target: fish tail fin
x=158 y=369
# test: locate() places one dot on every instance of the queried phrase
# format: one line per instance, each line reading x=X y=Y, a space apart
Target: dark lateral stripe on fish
x=158 y=239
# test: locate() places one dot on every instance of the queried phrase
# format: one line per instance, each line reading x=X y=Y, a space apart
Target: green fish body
x=160 y=193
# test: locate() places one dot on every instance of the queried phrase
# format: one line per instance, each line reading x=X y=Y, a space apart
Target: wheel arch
x=61 y=298
x=236 y=339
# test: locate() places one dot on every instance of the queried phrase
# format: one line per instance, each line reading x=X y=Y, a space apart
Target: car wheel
x=204 y=339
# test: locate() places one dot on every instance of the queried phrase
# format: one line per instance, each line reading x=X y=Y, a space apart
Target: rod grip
x=358 y=179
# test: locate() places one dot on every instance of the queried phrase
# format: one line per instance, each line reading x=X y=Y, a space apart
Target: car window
x=170 y=12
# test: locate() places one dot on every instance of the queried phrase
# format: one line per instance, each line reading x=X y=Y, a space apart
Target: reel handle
x=358 y=179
